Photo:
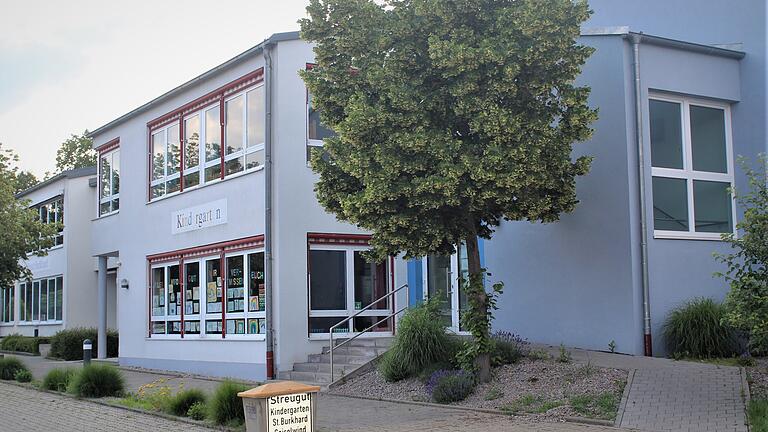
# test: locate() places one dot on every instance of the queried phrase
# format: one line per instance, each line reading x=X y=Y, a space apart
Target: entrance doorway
x=442 y=276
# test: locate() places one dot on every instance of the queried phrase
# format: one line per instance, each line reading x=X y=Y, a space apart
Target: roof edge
x=70 y=174
x=276 y=37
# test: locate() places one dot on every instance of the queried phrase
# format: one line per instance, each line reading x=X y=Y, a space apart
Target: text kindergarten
x=199 y=217
x=290 y=413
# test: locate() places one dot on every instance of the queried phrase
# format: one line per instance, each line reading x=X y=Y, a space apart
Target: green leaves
x=75 y=152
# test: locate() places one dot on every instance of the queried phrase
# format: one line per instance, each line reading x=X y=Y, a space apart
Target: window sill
x=210 y=338
x=39 y=323
x=339 y=335
x=8 y=324
x=106 y=215
x=672 y=235
x=53 y=248
x=211 y=183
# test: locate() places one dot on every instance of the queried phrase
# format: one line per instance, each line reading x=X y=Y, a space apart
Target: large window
x=341 y=282
x=52 y=212
x=7 y=304
x=209 y=296
x=109 y=182
x=691 y=167
x=42 y=300
x=316 y=132
x=208 y=144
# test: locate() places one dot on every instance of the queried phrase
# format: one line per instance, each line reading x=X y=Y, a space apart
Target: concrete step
x=368 y=351
x=308 y=377
x=346 y=359
x=325 y=367
x=382 y=342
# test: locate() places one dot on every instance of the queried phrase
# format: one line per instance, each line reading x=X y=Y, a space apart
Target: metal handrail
x=331 y=347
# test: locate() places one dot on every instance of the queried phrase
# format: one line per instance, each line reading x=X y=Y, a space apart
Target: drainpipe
x=635 y=40
x=268 y=208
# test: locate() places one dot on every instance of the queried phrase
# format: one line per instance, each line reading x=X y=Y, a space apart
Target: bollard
x=87 y=347
x=285 y=406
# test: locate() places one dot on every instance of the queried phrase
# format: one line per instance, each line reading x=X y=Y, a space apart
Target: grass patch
x=601 y=406
x=758 y=415
x=9 y=366
x=58 y=379
x=96 y=381
x=493 y=394
x=225 y=407
x=531 y=404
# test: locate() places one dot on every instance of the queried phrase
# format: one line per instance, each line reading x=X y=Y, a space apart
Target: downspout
x=635 y=40
x=268 y=208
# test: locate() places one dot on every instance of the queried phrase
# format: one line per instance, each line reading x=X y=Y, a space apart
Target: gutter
x=635 y=39
x=268 y=82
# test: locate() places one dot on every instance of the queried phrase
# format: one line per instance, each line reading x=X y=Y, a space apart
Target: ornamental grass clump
x=9 y=366
x=447 y=386
x=95 y=381
x=58 y=379
x=180 y=404
x=23 y=376
x=697 y=329
x=225 y=407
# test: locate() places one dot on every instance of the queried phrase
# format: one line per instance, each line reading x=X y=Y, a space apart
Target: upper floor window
x=109 y=182
x=208 y=144
x=53 y=212
x=315 y=130
x=691 y=168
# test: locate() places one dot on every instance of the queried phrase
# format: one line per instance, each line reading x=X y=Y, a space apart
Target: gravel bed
x=537 y=383
x=757 y=376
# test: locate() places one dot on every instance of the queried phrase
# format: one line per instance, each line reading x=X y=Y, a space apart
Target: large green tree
x=451 y=115
x=21 y=179
x=20 y=230
x=75 y=152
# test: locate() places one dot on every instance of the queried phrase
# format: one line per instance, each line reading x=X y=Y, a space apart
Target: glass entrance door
x=442 y=282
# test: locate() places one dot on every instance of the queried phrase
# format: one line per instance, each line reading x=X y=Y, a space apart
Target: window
x=316 y=132
x=109 y=182
x=233 y=305
x=189 y=152
x=691 y=168
x=6 y=304
x=52 y=212
x=42 y=300
x=341 y=282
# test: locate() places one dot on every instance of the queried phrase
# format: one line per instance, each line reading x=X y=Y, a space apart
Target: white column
x=102 y=309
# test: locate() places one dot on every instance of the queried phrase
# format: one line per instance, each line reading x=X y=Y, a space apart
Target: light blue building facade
x=695 y=73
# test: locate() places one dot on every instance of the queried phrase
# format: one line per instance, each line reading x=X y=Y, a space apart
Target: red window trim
x=338 y=239
x=108 y=146
x=211 y=98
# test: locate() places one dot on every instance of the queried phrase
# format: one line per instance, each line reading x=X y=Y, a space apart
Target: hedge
x=19 y=343
x=68 y=344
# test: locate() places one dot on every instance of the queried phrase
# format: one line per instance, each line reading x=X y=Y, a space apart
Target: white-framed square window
x=691 y=168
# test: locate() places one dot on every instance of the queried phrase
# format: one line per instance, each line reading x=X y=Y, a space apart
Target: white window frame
x=110 y=197
x=349 y=261
x=8 y=317
x=203 y=315
x=687 y=173
x=55 y=202
x=35 y=321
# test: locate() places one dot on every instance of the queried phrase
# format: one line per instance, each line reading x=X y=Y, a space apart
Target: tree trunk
x=483 y=360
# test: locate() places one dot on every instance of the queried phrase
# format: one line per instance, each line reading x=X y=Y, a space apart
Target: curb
x=624 y=399
x=568 y=419
x=19 y=353
x=745 y=395
x=185 y=376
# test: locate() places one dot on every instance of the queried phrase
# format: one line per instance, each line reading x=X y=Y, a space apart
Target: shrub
x=23 y=376
x=508 y=348
x=197 y=411
x=696 y=329
x=448 y=386
x=420 y=342
x=226 y=406
x=68 y=344
x=181 y=403
x=97 y=381
x=19 y=343
x=9 y=366
x=58 y=379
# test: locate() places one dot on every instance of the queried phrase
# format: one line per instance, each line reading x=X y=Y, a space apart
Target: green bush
x=9 y=366
x=68 y=344
x=508 y=348
x=58 y=379
x=18 y=343
x=448 y=386
x=197 y=411
x=696 y=329
x=181 y=403
x=23 y=376
x=97 y=381
x=420 y=341
x=226 y=407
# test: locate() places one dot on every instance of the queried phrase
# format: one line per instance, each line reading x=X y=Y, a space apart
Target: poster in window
x=196 y=308
x=253 y=303
x=240 y=327
x=211 y=292
x=253 y=326
x=230 y=326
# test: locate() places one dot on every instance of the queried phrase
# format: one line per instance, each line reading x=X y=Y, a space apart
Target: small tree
x=747 y=272
x=25 y=180
x=75 y=152
x=20 y=230
x=451 y=115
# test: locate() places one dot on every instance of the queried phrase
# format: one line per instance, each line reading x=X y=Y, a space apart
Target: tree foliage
x=20 y=231
x=451 y=115
x=75 y=152
x=747 y=265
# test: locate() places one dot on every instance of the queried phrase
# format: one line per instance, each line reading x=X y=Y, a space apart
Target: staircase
x=352 y=358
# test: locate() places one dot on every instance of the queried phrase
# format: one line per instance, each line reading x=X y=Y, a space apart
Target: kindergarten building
x=225 y=263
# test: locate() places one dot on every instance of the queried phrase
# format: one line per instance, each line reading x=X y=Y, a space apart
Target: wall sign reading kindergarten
x=199 y=217
x=290 y=413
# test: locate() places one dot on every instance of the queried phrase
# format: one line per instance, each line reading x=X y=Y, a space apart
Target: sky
x=68 y=66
